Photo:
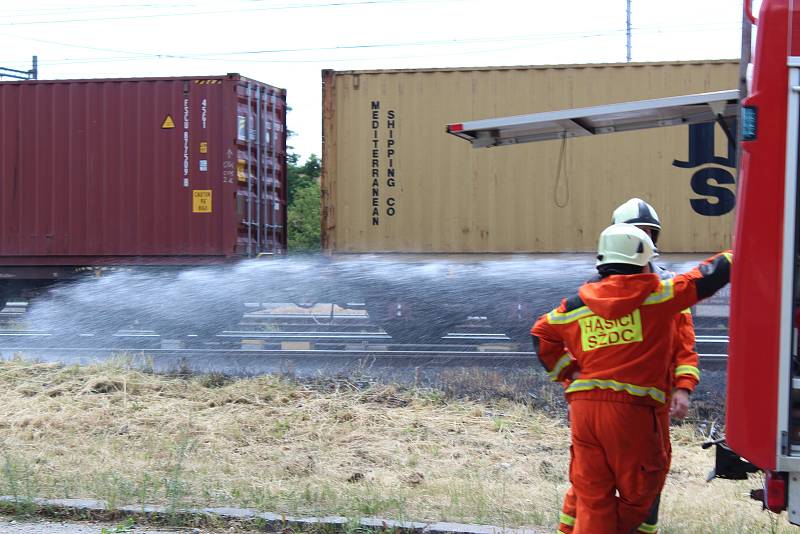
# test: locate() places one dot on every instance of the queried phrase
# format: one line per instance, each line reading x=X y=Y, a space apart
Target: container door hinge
x=784 y=443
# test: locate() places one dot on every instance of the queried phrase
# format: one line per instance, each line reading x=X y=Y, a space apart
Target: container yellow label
x=168 y=123
x=241 y=170
x=201 y=201
x=204 y=147
x=597 y=332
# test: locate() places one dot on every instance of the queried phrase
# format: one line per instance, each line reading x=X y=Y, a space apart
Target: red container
x=147 y=171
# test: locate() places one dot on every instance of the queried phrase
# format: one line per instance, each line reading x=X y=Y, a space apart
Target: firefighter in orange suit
x=614 y=341
x=686 y=370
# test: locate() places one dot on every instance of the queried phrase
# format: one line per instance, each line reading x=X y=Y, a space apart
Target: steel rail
x=335 y=353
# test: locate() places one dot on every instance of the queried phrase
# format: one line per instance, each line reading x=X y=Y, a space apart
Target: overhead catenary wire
x=309 y=5
x=210 y=55
x=226 y=56
x=73 y=7
x=70 y=7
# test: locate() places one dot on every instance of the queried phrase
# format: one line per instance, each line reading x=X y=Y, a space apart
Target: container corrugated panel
x=141 y=171
x=394 y=181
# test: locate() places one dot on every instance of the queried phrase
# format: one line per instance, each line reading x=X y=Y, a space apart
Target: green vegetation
x=304 y=203
x=121 y=528
x=123 y=435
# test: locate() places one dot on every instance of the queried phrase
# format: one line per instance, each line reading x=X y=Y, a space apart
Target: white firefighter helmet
x=636 y=211
x=624 y=243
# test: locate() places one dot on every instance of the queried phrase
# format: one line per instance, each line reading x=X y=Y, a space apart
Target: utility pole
x=628 y=29
x=32 y=74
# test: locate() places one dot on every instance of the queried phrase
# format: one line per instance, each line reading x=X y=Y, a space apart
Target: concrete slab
x=86 y=507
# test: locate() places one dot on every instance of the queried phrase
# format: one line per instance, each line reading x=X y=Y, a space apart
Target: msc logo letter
x=702 y=185
x=718 y=200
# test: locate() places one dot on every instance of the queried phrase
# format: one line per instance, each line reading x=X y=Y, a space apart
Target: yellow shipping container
x=394 y=181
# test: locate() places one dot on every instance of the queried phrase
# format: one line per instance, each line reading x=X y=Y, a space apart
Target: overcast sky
x=288 y=42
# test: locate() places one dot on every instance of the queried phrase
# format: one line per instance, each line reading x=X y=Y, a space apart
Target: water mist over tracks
x=317 y=308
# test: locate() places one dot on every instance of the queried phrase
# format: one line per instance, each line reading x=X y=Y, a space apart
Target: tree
x=301 y=176
x=304 y=222
x=304 y=203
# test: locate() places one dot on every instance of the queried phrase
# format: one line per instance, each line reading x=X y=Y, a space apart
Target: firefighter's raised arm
x=686 y=289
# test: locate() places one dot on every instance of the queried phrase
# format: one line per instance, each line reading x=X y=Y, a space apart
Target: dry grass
x=115 y=433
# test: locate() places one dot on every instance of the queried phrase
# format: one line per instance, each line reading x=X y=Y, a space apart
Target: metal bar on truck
x=787 y=423
x=622 y=117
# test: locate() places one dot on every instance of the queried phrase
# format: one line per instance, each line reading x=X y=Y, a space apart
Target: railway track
x=253 y=361
x=271 y=336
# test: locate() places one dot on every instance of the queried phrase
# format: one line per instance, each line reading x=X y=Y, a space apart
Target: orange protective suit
x=619 y=334
x=686 y=374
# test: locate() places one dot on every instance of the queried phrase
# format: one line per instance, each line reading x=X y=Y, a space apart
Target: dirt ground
x=327 y=447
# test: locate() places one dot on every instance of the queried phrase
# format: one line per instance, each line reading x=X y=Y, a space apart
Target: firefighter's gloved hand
x=679 y=406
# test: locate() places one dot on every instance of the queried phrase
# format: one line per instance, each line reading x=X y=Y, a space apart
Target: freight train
x=108 y=174
x=164 y=174
x=392 y=183
x=150 y=171
x=762 y=424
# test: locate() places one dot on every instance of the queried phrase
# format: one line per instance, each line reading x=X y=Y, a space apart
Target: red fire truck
x=762 y=422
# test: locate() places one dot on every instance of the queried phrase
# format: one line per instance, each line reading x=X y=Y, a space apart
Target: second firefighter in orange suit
x=685 y=363
x=615 y=342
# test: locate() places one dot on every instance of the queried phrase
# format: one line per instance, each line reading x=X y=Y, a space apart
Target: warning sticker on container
x=203 y=165
x=241 y=170
x=201 y=201
x=168 y=123
x=204 y=147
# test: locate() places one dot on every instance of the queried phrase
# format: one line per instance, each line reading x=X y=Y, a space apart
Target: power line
x=228 y=11
x=72 y=45
x=438 y=42
x=31 y=74
x=531 y=41
x=45 y=11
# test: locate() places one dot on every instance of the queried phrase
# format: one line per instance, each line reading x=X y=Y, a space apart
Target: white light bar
x=623 y=117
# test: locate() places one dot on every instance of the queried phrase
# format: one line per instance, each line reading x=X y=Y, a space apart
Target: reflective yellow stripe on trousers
x=647 y=528
x=566 y=519
x=586 y=384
